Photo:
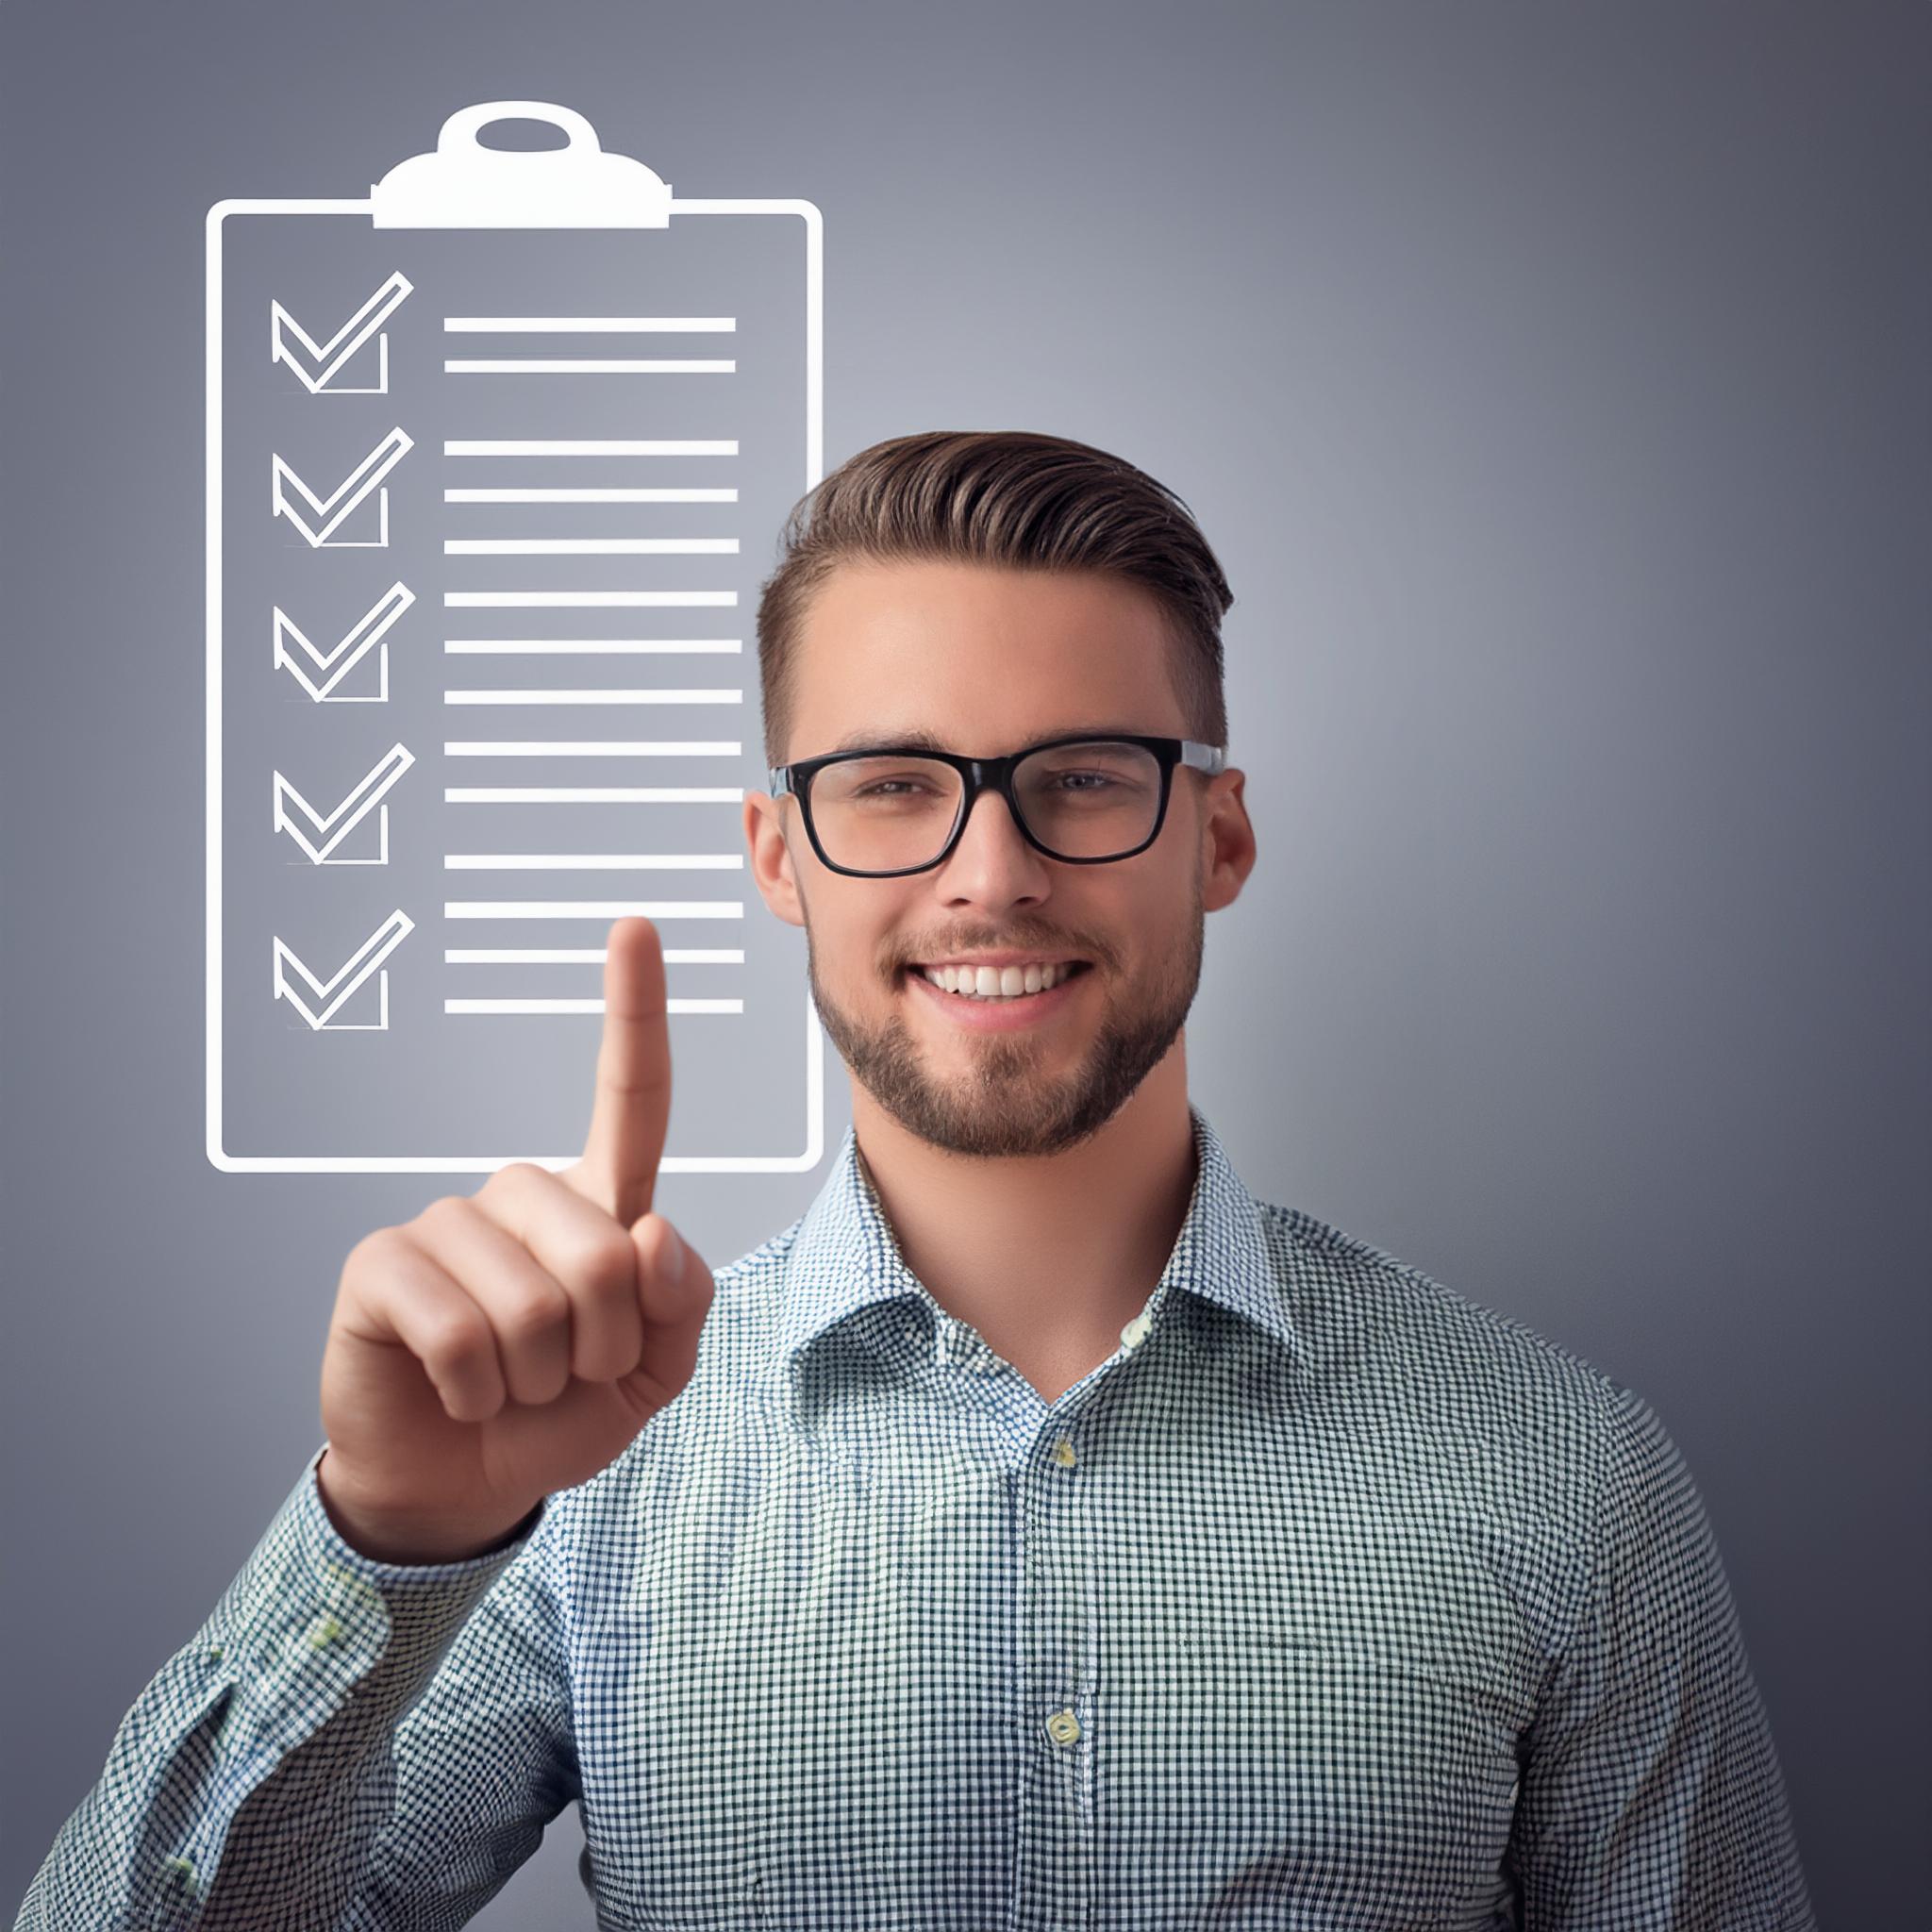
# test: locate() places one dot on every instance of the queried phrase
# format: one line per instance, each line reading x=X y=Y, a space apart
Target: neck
x=1048 y=1256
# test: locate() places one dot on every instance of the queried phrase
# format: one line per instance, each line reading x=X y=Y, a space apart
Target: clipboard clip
x=466 y=185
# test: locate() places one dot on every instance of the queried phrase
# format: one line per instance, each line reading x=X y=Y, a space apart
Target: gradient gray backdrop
x=1553 y=385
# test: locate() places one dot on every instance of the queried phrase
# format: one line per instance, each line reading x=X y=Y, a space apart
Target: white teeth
x=995 y=982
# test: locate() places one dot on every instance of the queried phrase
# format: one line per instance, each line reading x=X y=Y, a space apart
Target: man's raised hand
x=509 y=1343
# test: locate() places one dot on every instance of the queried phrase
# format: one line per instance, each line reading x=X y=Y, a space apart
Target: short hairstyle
x=1008 y=498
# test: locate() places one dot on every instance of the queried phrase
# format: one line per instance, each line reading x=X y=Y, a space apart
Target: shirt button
x=1063 y=1453
x=1064 y=1727
x=325 y=1630
x=1135 y=1333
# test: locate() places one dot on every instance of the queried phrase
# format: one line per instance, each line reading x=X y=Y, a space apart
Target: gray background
x=1552 y=385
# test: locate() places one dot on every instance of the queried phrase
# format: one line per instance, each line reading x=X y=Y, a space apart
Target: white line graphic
x=332 y=510
x=585 y=1005
x=368 y=792
x=589 y=546
x=593 y=697
x=329 y=356
x=607 y=646
x=605 y=909
x=590 y=324
x=583 y=955
x=583 y=365
x=590 y=496
x=347 y=980
x=582 y=600
x=593 y=861
x=592 y=747
x=594 y=446
x=592 y=794
x=369 y=630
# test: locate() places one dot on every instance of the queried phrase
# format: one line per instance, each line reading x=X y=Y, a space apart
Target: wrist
x=410 y=1538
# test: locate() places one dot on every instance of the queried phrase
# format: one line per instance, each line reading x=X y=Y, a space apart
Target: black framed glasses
x=887 y=810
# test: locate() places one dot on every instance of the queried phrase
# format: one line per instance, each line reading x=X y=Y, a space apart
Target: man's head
x=995 y=590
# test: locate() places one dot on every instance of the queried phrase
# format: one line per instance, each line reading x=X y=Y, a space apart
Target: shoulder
x=1486 y=1390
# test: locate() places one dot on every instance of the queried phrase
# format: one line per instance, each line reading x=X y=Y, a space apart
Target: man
x=1038 y=1532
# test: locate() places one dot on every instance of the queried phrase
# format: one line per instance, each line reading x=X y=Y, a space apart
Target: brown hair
x=1008 y=498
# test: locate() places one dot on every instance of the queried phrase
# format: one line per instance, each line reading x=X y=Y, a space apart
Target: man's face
x=991 y=661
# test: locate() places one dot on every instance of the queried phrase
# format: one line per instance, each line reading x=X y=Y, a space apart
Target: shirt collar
x=845 y=1260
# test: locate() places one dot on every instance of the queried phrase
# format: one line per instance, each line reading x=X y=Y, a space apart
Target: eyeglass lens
x=1096 y=799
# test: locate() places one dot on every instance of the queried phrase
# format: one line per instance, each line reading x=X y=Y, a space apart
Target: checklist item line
x=591 y=495
x=593 y=697
x=593 y=861
x=589 y=546
x=593 y=908
x=589 y=646
x=585 y=600
x=591 y=748
x=588 y=325
x=583 y=955
x=592 y=446
x=582 y=1006
x=585 y=365
x=593 y=794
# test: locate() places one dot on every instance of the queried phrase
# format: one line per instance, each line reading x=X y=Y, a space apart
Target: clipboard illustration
x=495 y=458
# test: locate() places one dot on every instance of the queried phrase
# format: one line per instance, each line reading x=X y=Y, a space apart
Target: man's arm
x=1652 y=1799
x=345 y=1743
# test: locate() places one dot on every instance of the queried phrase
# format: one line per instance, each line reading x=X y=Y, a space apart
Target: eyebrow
x=873 y=739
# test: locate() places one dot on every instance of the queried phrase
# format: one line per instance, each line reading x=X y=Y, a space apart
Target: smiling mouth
x=1071 y=969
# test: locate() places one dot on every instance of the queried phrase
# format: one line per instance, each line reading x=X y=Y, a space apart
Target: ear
x=770 y=856
x=1228 y=840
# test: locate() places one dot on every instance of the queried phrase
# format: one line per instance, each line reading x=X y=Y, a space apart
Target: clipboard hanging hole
x=521 y=127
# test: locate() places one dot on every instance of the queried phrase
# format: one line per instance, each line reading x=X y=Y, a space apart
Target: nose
x=992 y=864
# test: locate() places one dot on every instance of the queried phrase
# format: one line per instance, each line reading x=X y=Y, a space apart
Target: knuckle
x=603 y=1260
x=378 y=1252
x=532 y=1311
x=514 y=1177
x=447 y=1211
x=458 y=1341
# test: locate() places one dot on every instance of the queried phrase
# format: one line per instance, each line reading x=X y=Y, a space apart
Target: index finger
x=632 y=1108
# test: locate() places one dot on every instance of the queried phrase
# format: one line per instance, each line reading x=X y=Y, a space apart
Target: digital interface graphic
x=496 y=457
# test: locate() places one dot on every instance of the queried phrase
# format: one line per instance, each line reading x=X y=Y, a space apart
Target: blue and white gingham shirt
x=1329 y=1600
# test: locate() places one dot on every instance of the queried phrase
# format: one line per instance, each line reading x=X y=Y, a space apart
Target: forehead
x=981 y=658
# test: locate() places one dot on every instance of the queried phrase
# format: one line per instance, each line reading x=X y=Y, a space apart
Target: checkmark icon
x=317 y=364
x=369 y=630
x=365 y=796
x=329 y=996
x=319 y=517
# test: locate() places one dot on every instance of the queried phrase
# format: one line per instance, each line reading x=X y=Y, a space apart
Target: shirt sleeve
x=344 y=1744
x=1651 y=1796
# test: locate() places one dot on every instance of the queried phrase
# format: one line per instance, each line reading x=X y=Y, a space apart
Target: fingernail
x=672 y=1261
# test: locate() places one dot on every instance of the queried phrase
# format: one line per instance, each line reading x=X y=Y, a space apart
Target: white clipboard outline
x=466 y=185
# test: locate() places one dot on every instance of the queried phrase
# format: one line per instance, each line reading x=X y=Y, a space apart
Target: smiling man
x=1018 y=1133
x=1045 y=1531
